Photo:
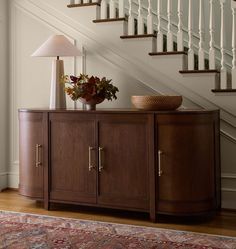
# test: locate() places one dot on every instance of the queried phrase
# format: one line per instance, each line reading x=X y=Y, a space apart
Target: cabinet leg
x=153 y=217
x=46 y=205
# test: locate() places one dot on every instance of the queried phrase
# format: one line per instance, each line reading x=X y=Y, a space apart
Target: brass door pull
x=37 y=159
x=160 y=172
x=100 y=159
x=91 y=166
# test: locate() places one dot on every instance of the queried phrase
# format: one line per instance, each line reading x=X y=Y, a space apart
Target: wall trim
x=228 y=176
x=228 y=136
x=3 y=180
x=228 y=190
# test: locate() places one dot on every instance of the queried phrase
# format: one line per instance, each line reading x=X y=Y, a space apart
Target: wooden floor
x=223 y=223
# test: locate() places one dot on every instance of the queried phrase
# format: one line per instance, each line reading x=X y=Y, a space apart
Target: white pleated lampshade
x=57 y=45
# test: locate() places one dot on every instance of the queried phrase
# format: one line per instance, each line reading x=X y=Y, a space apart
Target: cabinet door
x=124 y=161
x=31 y=154
x=71 y=178
x=186 y=164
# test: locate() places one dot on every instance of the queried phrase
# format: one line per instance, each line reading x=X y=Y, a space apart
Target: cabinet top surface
x=111 y=110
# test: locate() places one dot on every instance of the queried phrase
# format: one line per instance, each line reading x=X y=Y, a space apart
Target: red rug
x=27 y=231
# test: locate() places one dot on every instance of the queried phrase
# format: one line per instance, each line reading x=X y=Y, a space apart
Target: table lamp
x=56 y=46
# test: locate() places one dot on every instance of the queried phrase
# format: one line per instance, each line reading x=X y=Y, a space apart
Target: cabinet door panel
x=123 y=181
x=71 y=135
x=187 y=183
x=31 y=135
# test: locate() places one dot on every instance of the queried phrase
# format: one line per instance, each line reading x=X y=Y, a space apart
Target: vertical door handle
x=37 y=158
x=100 y=159
x=159 y=163
x=91 y=166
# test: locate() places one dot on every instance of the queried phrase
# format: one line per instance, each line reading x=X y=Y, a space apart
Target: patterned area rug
x=27 y=231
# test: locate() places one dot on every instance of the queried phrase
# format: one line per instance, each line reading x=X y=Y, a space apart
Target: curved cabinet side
x=31 y=154
x=188 y=164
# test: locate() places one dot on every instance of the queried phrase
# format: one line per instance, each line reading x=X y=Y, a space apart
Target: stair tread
x=137 y=36
x=82 y=5
x=167 y=53
x=199 y=71
x=110 y=20
x=223 y=90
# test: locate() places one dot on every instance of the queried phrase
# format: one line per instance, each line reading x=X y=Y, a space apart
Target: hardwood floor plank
x=224 y=223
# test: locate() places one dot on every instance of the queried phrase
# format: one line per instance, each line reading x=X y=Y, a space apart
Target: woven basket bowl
x=156 y=103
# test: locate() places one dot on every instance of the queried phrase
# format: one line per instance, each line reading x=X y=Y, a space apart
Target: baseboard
x=11 y=189
x=228 y=199
x=3 y=180
x=13 y=180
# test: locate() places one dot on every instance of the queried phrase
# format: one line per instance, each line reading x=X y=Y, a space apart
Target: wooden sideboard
x=156 y=162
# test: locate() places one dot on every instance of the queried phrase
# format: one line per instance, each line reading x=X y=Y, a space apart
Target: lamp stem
x=57 y=96
x=58 y=58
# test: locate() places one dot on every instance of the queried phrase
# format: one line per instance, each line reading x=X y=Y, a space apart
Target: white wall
x=30 y=81
x=4 y=86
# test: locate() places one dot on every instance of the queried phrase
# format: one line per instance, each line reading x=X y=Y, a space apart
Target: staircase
x=203 y=63
x=170 y=42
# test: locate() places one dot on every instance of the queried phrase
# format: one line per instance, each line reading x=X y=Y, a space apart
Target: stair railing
x=148 y=17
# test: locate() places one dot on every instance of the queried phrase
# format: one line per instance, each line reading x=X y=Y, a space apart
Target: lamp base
x=57 y=95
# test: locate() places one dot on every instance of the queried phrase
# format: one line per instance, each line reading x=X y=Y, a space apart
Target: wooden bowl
x=156 y=103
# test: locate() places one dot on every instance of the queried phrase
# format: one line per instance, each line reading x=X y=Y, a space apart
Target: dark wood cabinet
x=124 y=161
x=186 y=155
x=71 y=136
x=156 y=162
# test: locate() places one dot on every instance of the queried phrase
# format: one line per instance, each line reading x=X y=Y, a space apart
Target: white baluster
x=223 y=71
x=104 y=9
x=121 y=8
x=159 y=29
x=180 y=44
x=212 y=54
x=169 y=27
x=130 y=20
x=140 y=19
x=201 y=53
x=85 y=1
x=190 y=37
x=94 y=1
x=234 y=49
x=112 y=9
x=150 y=18
x=72 y=2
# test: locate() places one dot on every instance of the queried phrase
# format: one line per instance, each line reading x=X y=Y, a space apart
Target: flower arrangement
x=88 y=88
